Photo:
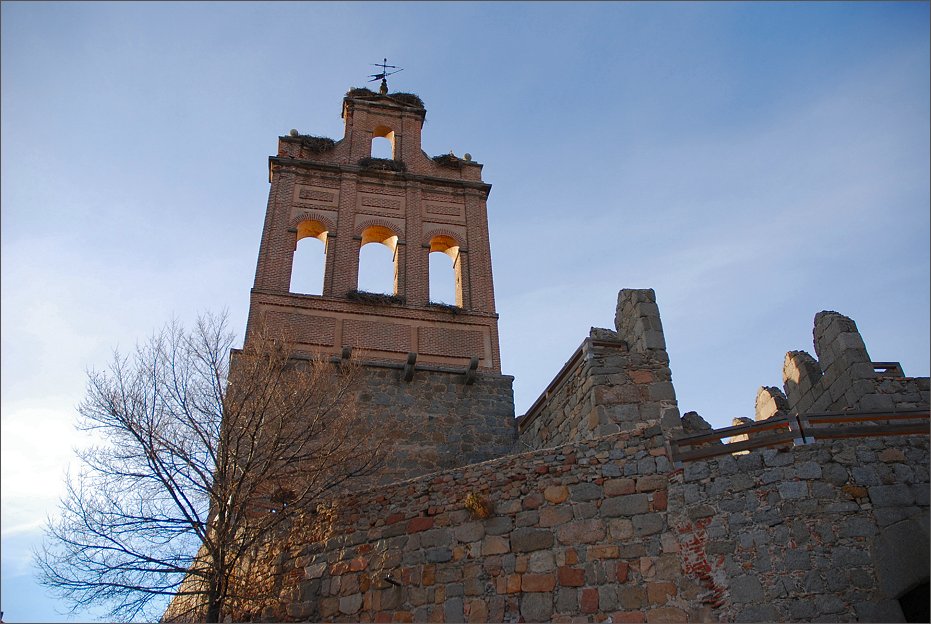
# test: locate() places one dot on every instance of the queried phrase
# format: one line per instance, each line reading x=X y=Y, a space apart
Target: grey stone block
x=350 y=604
x=453 y=609
x=879 y=611
x=527 y=540
x=797 y=560
x=774 y=457
x=757 y=613
x=567 y=600
x=607 y=598
x=534 y=607
x=585 y=492
x=435 y=537
x=793 y=489
x=695 y=471
x=438 y=555
x=581 y=511
x=498 y=525
x=648 y=524
x=646 y=465
x=746 y=588
x=801 y=610
x=834 y=474
x=847 y=557
x=470 y=532
x=808 y=470
x=898 y=495
x=831 y=604
x=901 y=555
x=864 y=475
x=857 y=526
x=628 y=505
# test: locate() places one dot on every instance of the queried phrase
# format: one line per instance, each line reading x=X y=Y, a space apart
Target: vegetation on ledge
x=371 y=298
x=316 y=144
x=446 y=307
x=447 y=160
x=384 y=164
x=408 y=99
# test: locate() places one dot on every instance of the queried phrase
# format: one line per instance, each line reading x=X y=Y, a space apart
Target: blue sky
x=753 y=163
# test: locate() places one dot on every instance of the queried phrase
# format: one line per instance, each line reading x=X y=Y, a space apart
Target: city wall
x=599 y=522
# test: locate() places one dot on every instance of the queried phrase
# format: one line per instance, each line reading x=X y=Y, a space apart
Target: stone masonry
x=437 y=421
x=616 y=380
x=597 y=523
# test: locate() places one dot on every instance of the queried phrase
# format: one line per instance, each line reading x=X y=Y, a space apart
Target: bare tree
x=201 y=457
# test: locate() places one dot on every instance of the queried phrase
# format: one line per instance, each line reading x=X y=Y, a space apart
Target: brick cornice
x=296 y=163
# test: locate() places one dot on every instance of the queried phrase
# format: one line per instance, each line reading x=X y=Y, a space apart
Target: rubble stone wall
x=616 y=381
x=573 y=532
x=843 y=375
x=833 y=531
x=437 y=421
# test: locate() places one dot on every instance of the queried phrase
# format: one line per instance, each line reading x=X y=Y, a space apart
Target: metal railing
x=796 y=429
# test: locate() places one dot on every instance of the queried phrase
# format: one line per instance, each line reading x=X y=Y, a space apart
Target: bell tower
x=430 y=371
x=336 y=192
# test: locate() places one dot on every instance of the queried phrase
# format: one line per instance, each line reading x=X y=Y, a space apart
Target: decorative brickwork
x=327 y=185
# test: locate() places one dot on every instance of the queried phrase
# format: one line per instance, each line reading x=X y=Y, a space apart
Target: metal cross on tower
x=384 y=75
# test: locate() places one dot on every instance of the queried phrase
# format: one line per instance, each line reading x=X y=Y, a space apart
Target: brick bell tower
x=441 y=361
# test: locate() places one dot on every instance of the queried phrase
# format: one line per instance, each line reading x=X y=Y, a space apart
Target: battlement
x=844 y=377
x=616 y=380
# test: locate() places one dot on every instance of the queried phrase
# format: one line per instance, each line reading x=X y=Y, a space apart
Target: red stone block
x=660 y=498
x=338 y=568
x=419 y=524
x=588 y=600
x=622 y=569
x=537 y=582
x=571 y=556
x=533 y=501
x=571 y=577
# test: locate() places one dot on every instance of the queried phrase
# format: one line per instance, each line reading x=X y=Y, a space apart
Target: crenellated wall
x=842 y=378
x=578 y=531
x=834 y=531
x=596 y=522
x=615 y=381
x=610 y=528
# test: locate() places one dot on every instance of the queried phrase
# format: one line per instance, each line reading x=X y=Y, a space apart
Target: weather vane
x=383 y=76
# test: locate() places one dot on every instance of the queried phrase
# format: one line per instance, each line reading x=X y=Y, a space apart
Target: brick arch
x=434 y=232
x=312 y=215
x=361 y=227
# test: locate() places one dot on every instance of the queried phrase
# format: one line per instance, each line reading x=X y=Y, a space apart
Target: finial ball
x=294 y=132
x=467 y=156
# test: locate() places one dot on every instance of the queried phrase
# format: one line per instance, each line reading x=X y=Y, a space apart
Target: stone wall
x=616 y=380
x=834 y=531
x=595 y=523
x=437 y=421
x=843 y=377
x=574 y=533
x=608 y=528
